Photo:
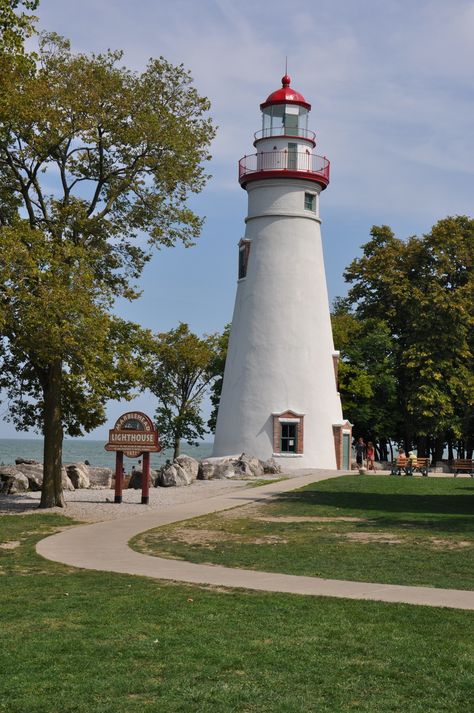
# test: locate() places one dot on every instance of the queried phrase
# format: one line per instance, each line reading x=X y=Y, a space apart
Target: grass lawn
x=74 y=641
x=417 y=531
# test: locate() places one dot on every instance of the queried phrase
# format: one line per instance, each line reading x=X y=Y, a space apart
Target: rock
x=173 y=475
x=66 y=481
x=271 y=467
x=183 y=471
x=218 y=468
x=190 y=465
x=135 y=481
x=99 y=477
x=249 y=466
x=33 y=471
x=242 y=466
x=12 y=480
x=78 y=475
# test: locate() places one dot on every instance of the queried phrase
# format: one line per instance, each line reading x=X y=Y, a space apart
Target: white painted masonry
x=280 y=355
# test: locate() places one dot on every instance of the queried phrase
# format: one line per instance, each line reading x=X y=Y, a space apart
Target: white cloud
x=390 y=84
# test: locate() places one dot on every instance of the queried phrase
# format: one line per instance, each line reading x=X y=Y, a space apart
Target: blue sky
x=391 y=88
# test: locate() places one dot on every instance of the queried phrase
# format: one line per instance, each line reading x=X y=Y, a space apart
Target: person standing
x=360 y=452
x=371 y=456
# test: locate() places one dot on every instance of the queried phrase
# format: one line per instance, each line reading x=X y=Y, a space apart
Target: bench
x=399 y=465
x=465 y=465
x=404 y=465
x=422 y=465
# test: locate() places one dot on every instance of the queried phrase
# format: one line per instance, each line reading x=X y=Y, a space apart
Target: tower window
x=244 y=250
x=310 y=202
x=288 y=433
x=288 y=437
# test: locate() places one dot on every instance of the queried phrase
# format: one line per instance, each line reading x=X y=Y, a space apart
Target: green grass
x=416 y=531
x=264 y=481
x=74 y=641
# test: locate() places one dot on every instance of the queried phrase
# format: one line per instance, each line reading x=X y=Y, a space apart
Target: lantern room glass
x=284 y=120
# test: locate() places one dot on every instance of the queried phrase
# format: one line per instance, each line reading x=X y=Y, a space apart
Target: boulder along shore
x=89 y=495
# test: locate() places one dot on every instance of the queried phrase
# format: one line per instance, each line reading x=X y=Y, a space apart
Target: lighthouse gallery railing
x=299 y=161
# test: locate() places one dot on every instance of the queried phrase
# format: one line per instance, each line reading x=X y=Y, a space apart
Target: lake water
x=77 y=450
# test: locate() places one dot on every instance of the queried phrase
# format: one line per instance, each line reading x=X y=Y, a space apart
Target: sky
x=392 y=93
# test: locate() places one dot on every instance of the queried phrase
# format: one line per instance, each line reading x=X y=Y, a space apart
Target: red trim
x=285 y=95
x=277 y=431
x=133 y=416
x=302 y=175
x=277 y=164
x=284 y=98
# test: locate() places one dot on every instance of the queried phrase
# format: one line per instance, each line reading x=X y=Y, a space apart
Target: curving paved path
x=104 y=546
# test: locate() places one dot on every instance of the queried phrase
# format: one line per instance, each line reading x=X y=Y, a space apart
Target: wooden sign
x=134 y=433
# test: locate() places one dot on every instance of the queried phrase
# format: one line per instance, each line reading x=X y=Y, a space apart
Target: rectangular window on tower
x=310 y=202
x=244 y=250
x=288 y=434
x=291 y=120
x=288 y=437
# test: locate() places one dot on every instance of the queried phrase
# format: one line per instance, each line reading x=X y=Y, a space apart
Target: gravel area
x=94 y=505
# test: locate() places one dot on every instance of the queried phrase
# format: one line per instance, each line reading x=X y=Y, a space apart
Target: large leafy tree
x=16 y=25
x=181 y=367
x=423 y=289
x=92 y=156
x=367 y=380
x=62 y=353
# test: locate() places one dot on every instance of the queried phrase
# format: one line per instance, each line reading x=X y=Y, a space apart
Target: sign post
x=118 y=476
x=133 y=435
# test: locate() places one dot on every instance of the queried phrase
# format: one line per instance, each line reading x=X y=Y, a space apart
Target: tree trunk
x=52 y=489
x=423 y=448
x=469 y=446
x=177 y=447
x=450 y=450
x=438 y=449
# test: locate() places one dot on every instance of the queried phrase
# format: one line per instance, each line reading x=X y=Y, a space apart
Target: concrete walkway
x=104 y=546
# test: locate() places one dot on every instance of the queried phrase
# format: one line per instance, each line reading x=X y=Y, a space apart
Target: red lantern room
x=284 y=144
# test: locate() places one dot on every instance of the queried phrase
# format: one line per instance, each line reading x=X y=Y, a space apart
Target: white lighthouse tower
x=279 y=397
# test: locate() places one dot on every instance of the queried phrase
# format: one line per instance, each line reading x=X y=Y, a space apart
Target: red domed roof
x=285 y=95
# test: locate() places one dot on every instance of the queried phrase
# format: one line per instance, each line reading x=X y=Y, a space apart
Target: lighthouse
x=279 y=397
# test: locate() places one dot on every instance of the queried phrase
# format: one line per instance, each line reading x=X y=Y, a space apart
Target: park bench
x=404 y=465
x=464 y=465
x=421 y=465
x=399 y=465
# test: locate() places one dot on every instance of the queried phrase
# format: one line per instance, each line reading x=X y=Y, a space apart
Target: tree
x=423 y=289
x=62 y=354
x=91 y=156
x=16 y=27
x=367 y=380
x=179 y=375
x=217 y=368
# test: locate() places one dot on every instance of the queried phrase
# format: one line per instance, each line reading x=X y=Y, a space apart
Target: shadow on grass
x=435 y=525
x=409 y=503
